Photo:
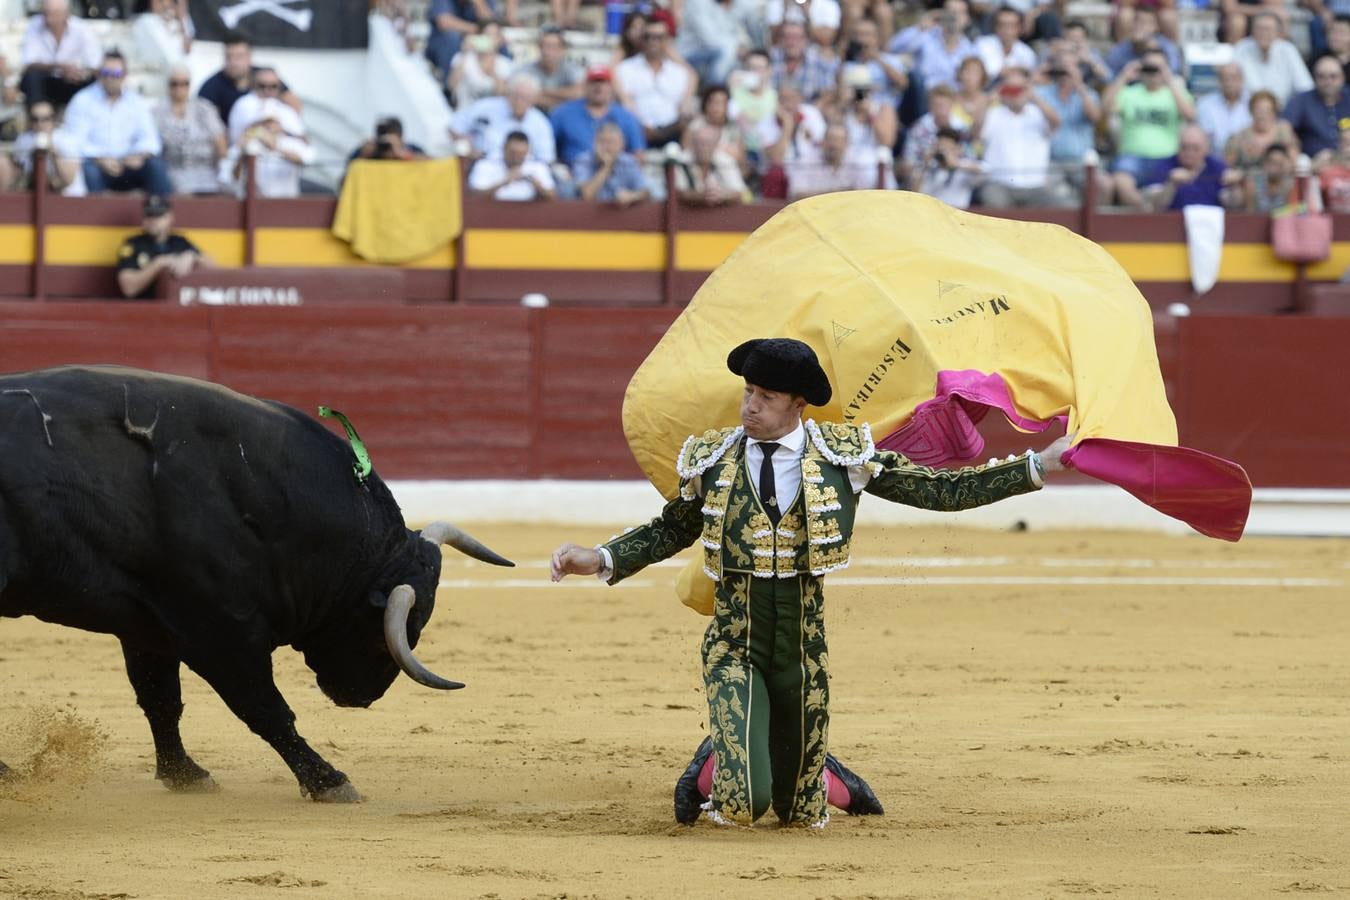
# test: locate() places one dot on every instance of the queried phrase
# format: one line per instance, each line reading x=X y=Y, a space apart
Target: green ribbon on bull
x=362 y=465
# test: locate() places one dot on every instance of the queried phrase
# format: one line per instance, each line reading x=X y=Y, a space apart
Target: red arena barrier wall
x=454 y=391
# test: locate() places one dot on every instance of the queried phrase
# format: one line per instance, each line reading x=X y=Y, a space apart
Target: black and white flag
x=313 y=24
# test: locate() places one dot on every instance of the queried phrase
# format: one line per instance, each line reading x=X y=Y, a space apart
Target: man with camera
x=886 y=71
x=388 y=143
x=1152 y=110
x=949 y=173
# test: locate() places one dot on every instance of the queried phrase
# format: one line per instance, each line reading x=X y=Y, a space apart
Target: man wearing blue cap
x=772 y=502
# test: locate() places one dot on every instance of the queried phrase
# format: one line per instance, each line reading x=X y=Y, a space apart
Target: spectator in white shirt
x=266 y=94
x=797 y=129
x=1004 y=47
x=164 y=34
x=834 y=170
x=114 y=133
x=63 y=160
x=711 y=177
x=1016 y=135
x=487 y=123
x=1269 y=62
x=513 y=175
x=59 y=56
x=278 y=152
x=821 y=18
x=1223 y=113
x=656 y=88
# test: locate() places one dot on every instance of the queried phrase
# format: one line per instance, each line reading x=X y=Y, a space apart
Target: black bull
x=204 y=527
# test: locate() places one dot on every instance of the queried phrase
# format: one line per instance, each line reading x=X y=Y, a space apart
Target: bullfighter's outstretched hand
x=573 y=559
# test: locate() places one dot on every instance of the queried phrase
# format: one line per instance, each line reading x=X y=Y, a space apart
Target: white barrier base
x=1275 y=511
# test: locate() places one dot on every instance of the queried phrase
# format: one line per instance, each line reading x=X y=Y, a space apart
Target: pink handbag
x=1299 y=236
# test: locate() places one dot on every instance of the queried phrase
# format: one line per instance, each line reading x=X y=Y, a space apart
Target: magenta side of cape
x=1210 y=494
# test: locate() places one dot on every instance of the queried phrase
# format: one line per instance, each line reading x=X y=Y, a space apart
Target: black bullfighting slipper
x=861 y=800
x=688 y=800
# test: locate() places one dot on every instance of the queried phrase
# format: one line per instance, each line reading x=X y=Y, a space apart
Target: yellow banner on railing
x=394 y=211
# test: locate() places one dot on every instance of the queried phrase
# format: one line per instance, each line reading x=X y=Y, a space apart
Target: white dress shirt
x=488 y=121
x=99 y=125
x=488 y=172
x=1221 y=119
x=78 y=46
x=253 y=108
x=656 y=93
x=990 y=50
x=1283 y=72
x=1017 y=146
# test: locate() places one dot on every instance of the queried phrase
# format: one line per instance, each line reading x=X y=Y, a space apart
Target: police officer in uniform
x=156 y=249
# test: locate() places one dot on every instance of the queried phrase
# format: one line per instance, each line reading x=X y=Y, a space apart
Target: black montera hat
x=782 y=364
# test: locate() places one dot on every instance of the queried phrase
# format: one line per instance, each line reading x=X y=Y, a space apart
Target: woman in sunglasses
x=193 y=137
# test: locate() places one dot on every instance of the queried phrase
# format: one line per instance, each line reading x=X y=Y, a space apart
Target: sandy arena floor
x=1043 y=715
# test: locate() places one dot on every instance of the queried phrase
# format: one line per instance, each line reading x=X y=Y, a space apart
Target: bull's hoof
x=338 y=793
x=204 y=784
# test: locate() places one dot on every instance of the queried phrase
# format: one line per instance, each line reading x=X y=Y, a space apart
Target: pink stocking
x=705 y=775
x=835 y=792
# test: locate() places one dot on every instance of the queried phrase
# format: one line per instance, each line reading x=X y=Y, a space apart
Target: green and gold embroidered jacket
x=717 y=505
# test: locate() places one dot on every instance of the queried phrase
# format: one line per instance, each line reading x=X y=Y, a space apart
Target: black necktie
x=767 y=494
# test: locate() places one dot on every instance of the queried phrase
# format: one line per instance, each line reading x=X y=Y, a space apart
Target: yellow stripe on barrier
x=1332 y=268
x=599 y=251
x=97 y=245
x=85 y=245
x=16 y=245
x=627 y=251
x=225 y=246
x=1169 y=262
x=703 y=251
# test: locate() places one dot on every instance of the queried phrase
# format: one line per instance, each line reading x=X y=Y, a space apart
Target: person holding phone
x=1152 y=105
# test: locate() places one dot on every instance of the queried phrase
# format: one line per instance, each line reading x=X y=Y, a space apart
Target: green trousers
x=765 y=668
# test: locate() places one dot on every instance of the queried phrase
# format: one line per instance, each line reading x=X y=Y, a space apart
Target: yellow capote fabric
x=398 y=211
x=890 y=288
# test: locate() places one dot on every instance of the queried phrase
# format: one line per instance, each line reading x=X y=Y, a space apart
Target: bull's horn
x=445 y=533
x=401 y=600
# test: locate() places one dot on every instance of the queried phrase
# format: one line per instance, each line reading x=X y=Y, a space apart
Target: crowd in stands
x=1011 y=105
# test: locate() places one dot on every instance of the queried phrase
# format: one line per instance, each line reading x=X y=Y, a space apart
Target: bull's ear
x=377 y=599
